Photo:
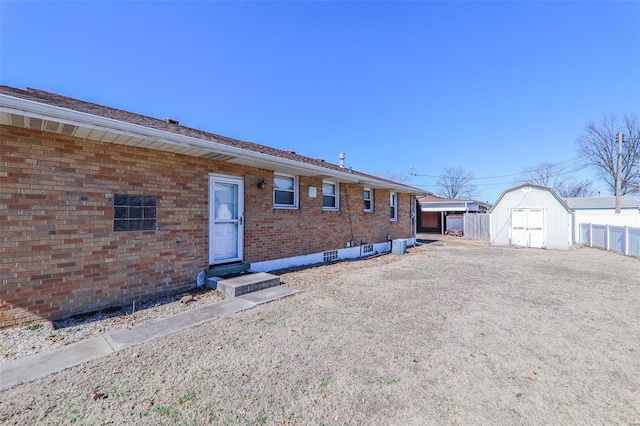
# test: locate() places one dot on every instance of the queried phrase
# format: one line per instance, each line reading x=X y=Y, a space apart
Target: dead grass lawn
x=452 y=332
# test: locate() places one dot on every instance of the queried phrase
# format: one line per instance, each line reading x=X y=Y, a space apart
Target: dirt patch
x=451 y=332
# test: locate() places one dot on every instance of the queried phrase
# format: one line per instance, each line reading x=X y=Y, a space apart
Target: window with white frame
x=393 y=207
x=285 y=191
x=368 y=200
x=330 y=196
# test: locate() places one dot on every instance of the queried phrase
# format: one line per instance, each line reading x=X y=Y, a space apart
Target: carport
x=446 y=215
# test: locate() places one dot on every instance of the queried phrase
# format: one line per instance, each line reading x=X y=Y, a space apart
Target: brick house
x=101 y=206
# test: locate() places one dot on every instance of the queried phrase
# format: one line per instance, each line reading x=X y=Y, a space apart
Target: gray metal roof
x=584 y=203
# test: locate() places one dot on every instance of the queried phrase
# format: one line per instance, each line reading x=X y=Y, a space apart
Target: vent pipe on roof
x=341 y=157
x=171 y=121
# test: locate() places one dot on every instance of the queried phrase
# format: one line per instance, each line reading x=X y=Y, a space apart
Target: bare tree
x=598 y=146
x=543 y=174
x=395 y=177
x=557 y=176
x=572 y=189
x=455 y=182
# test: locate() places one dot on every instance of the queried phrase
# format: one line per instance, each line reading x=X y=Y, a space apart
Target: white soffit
x=34 y=115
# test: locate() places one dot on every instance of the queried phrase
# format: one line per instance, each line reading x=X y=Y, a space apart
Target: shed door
x=518 y=228
x=536 y=228
x=527 y=227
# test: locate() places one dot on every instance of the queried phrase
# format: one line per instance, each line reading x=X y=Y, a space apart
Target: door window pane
x=226 y=203
x=225 y=241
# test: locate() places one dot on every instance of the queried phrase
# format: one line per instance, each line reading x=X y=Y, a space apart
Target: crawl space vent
x=367 y=248
x=330 y=255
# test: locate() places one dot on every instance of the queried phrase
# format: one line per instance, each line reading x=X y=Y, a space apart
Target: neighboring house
x=445 y=215
x=603 y=205
x=531 y=216
x=602 y=211
x=101 y=206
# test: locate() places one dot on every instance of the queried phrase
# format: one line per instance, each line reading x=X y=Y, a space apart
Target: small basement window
x=134 y=212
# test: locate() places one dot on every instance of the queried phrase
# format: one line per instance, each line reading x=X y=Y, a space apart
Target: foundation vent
x=330 y=255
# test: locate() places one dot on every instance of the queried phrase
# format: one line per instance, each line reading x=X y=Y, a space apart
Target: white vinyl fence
x=621 y=239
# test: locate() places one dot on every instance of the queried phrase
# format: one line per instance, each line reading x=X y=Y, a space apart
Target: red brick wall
x=430 y=220
x=273 y=233
x=60 y=255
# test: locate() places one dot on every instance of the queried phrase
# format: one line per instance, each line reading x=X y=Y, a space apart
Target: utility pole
x=618 y=183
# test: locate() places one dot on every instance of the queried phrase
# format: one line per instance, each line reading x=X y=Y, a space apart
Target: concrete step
x=224 y=270
x=237 y=286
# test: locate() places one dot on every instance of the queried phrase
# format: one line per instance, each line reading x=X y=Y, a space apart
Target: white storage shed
x=530 y=216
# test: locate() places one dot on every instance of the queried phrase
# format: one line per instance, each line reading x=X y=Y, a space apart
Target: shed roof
x=588 y=203
x=525 y=185
x=47 y=111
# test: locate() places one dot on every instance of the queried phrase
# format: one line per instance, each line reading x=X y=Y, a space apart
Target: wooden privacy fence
x=476 y=226
x=621 y=239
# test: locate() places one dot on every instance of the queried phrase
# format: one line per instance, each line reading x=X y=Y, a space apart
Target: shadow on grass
x=426 y=241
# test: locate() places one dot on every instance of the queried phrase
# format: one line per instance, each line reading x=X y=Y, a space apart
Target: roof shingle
x=77 y=105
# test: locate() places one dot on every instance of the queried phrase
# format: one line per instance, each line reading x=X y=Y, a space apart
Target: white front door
x=226 y=219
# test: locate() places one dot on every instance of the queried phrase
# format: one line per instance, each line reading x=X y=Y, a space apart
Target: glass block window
x=134 y=212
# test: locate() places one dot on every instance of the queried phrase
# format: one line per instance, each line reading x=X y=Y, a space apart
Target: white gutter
x=13 y=105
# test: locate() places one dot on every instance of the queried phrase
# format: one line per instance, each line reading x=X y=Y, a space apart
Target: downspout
x=412 y=217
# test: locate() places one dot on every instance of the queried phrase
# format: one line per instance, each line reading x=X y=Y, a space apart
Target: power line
x=576 y=161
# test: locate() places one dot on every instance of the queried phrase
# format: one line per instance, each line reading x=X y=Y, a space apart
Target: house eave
x=55 y=119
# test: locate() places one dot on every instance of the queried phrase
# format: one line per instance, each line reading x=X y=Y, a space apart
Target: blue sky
x=488 y=86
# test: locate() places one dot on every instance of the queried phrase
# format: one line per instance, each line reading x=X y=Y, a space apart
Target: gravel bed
x=22 y=341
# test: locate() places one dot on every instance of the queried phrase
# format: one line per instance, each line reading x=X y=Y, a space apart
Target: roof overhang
x=452 y=205
x=43 y=117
